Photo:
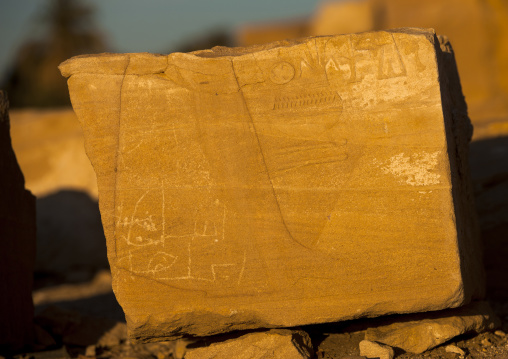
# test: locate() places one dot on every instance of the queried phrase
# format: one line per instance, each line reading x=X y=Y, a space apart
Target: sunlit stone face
x=281 y=185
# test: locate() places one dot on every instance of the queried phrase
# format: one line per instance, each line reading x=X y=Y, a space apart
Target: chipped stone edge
x=113 y=64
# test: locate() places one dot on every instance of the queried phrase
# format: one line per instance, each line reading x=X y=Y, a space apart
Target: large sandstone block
x=17 y=245
x=298 y=182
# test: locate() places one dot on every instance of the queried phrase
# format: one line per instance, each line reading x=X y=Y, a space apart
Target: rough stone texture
x=455 y=349
x=370 y=349
x=478 y=29
x=298 y=182
x=17 y=245
x=276 y=344
x=421 y=335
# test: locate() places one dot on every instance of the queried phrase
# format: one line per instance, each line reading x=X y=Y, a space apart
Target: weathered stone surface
x=283 y=344
x=370 y=349
x=455 y=349
x=298 y=182
x=344 y=345
x=17 y=245
x=421 y=335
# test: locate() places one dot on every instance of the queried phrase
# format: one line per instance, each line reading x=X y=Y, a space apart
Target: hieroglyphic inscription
x=321 y=98
x=282 y=73
x=347 y=59
x=353 y=56
x=308 y=87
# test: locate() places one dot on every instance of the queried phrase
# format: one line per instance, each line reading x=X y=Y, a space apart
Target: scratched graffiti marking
x=154 y=250
x=297 y=156
x=293 y=104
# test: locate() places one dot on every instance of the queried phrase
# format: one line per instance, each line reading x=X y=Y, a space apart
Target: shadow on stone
x=102 y=305
x=71 y=245
x=489 y=169
x=77 y=329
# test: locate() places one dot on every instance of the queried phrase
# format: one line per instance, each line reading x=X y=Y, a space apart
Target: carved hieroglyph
x=478 y=30
x=297 y=182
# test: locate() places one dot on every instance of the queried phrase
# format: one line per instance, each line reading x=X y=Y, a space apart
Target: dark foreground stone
x=17 y=245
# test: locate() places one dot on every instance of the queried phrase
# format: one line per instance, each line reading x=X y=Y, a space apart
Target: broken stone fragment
x=370 y=349
x=500 y=333
x=17 y=245
x=421 y=335
x=299 y=182
x=114 y=336
x=454 y=349
x=276 y=344
x=90 y=351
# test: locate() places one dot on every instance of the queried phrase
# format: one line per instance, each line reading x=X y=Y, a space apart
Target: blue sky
x=149 y=25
